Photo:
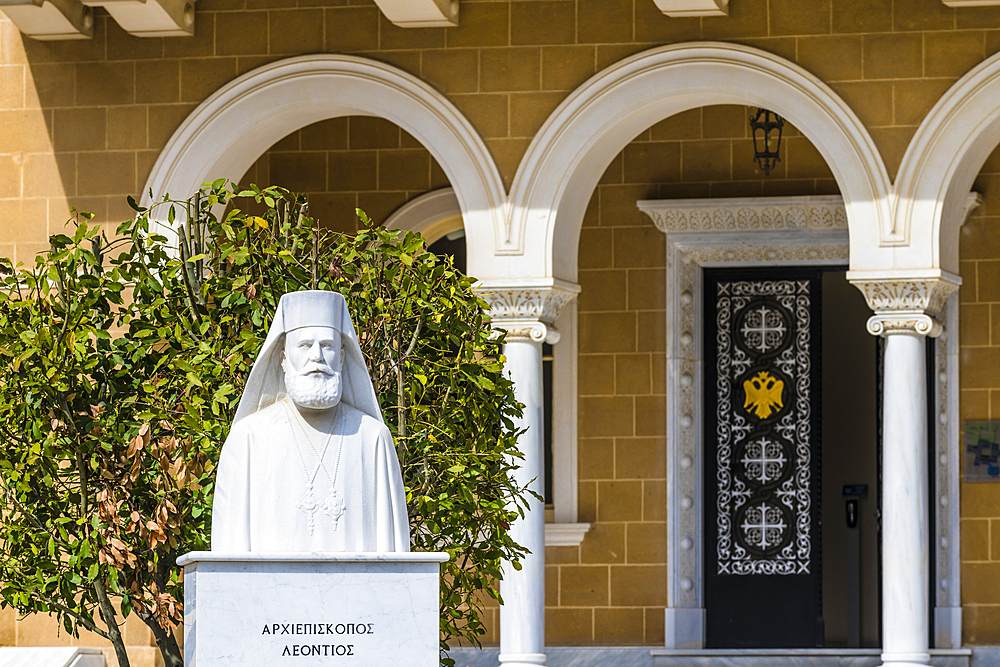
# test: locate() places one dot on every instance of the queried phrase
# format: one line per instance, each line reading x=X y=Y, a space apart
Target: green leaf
x=135 y=206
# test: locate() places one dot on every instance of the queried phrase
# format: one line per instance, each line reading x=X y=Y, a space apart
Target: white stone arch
x=433 y=214
x=942 y=161
x=227 y=132
x=567 y=157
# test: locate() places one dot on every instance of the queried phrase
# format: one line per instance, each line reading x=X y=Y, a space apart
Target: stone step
x=44 y=656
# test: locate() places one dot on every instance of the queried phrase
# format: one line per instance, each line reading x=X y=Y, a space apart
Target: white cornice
x=746 y=213
x=565 y=534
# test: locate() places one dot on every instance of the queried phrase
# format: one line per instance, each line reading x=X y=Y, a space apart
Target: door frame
x=768 y=231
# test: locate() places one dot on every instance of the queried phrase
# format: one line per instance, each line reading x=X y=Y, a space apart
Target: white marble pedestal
x=267 y=610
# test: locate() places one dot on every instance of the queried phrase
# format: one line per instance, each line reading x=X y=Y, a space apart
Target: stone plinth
x=267 y=610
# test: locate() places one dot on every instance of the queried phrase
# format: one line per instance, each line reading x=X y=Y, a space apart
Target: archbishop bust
x=309 y=465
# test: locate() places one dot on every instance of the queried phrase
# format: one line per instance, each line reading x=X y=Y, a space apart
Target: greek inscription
x=318 y=629
x=307 y=650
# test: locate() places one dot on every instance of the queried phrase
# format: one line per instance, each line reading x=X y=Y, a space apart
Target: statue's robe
x=261 y=482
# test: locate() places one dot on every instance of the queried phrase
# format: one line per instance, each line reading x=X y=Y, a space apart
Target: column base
x=522 y=659
x=947 y=627
x=684 y=628
x=906 y=659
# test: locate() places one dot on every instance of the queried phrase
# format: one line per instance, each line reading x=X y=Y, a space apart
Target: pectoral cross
x=334 y=507
x=309 y=505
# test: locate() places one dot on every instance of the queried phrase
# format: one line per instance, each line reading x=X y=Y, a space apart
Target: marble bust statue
x=309 y=465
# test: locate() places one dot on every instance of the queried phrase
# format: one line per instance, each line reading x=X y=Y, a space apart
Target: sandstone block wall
x=81 y=124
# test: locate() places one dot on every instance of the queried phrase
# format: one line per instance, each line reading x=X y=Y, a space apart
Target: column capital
x=527 y=308
x=905 y=304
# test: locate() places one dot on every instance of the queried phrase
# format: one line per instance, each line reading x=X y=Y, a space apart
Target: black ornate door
x=762 y=458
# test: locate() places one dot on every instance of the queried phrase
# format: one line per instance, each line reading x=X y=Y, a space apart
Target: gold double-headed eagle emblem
x=763 y=394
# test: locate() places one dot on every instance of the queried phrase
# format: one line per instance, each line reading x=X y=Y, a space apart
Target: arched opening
x=582 y=137
x=226 y=134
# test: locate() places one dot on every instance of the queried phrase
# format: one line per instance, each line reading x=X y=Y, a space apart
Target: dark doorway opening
x=815 y=584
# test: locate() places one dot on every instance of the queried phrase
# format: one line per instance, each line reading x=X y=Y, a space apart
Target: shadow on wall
x=346 y=163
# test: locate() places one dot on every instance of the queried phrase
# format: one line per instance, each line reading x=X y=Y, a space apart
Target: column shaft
x=905 y=601
x=522 y=616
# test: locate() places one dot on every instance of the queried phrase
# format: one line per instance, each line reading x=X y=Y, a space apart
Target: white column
x=904 y=315
x=525 y=309
x=905 y=570
x=522 y=616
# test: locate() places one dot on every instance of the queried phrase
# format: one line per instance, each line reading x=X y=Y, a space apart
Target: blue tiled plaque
x=981 y=449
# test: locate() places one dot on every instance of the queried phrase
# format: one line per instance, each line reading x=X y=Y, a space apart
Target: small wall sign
x=981 y=451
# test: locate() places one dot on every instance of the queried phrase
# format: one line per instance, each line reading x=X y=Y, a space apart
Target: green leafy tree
x=126 y=360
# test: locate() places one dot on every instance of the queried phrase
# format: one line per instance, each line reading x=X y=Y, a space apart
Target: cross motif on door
x=763 y=329
x=763 y=460
x=763 y=526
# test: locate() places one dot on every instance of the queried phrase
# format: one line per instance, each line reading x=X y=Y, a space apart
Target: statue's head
x=311 y=356
x=313 y=361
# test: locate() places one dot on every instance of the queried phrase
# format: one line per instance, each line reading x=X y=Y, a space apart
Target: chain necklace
x=333 y=506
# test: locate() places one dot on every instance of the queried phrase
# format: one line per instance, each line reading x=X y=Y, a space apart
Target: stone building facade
x=599 y=158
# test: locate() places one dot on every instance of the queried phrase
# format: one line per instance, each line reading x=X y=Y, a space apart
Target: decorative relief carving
x=527 y=312
x=893 y=295
x=942 y=441
x=685 y=259
x=906 y=306
x=767 y=254
x=903 y=323
x=764 y=448
x=765 y=213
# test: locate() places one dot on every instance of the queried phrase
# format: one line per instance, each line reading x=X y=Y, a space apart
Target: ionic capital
x=527 y=308
x=906 y=304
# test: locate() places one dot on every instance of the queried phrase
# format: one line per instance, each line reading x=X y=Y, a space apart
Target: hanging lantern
x=766 y=126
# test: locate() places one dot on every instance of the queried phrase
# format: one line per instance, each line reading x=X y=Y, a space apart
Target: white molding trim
x=746 y=213
x=227 y=132
x=567 y=156
x=762 y=232
x=942 y=161
x=433 y=214
x=947 y=593
x=948 y=520
x=971 y=3
x=564 y=423
x=565 y=534
x=436 y=214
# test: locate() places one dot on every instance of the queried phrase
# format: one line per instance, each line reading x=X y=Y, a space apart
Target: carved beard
x=315 y=391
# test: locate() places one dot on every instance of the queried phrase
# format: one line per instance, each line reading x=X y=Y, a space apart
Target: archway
x=570 y=152
x=226 y=133
x=942 y=161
